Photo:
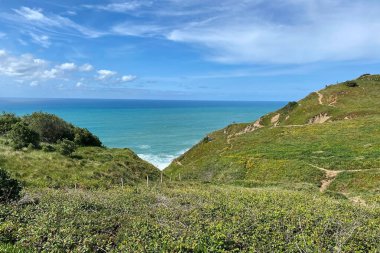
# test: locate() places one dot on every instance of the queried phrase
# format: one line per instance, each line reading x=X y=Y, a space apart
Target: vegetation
x=66 y=147
x=80 y=161
x=85 y=138
x=189 y=218
x=302 y=179
x=290 y=150
x=87 y=167
x=9 y=188
x=53 y=129
x=7 y=120
x=22 y=136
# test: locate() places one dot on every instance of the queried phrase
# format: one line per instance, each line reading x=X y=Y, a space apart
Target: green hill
x=42 y=150
x=329 y=140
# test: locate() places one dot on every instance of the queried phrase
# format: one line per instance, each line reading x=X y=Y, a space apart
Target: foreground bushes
x=9 y=188
x=191 y=218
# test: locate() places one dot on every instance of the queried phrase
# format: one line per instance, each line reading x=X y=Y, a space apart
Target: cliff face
x=329 y=140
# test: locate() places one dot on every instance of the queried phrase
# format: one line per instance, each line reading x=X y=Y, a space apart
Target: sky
x=255 y=50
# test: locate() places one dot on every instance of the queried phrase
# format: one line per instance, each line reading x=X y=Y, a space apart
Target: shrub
x=47 y=148
x=290 y=106
x=66 y=147
x=7 y=120
x=9 y=188
x=50 y=127
x=364 y=75
x=351 y=84
x=83 y=137
x=21 y=136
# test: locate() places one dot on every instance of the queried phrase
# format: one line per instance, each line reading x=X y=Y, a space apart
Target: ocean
x=158 y=131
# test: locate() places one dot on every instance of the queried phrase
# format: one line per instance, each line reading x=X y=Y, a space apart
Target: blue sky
x=185 y=49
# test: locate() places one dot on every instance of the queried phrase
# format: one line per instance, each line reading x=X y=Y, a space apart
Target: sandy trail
x=320 y=97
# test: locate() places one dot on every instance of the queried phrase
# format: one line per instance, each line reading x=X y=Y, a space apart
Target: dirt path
x=320 y=97
x=330 y=176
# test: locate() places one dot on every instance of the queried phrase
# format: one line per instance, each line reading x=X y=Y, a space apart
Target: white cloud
x=145 y=30
x=31 y=14
x=120 y=7
x=24 y=66
x=36 y=18
x=296 y=32
x=86 y=67
x=2 y=35
x=104 y=74
x=3 y=53
x=42 y=40
x=128 y=78
x=68 y=66
x=35 y=71
x=34 y=83
x=49 y=74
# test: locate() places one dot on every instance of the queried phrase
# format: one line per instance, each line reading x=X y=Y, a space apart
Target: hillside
x=330 y=141
x=42 y=150
x=187 y=217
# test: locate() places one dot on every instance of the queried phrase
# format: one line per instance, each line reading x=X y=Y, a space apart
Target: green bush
x=9 y=188
x=83 y=137
x=66 y=147
x=290 y=106
x=21 y=136
x=7 y=120
x=47 y=148
x=351 y=84
x=50 y=127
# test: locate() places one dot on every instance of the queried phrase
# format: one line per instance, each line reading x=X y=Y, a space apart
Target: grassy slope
x=189 y=218
x=88 y=167
x=289 y=155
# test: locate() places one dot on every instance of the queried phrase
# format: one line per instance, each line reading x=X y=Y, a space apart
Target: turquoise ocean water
x=158 y=131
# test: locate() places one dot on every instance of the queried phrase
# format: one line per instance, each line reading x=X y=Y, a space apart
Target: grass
x=88 y=167
x=189 y=217
x=289 y=152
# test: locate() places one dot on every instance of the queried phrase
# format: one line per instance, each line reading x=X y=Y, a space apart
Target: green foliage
x=190 y=218
x=50 y=127
x=364 y=75
x=290 y=106
x=289 y=153
x=66 y=147
x=351 y=84
x=83 y=137
x=88 y=167
x=47 y=147
x=22 y=136
x=9 y=188
x=7 y=120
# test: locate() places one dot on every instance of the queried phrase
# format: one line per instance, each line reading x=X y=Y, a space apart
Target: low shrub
x=7 y=120
x=351 y=84
x=47 y=148
x=66 y=147
x=364 y=75
x=83 y=137
x=9 y=188
x=21 y=136
x=50 y=127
